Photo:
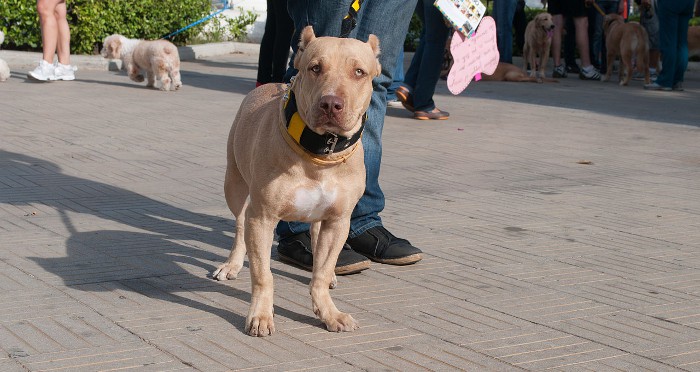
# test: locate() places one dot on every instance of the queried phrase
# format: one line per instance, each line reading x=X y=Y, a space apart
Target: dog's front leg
x=330 y=240
x=314 y=230
x=258 y=239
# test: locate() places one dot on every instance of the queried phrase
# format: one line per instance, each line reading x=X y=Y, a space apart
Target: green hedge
x=92 y=20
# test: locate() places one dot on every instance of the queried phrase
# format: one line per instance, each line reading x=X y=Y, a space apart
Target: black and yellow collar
x=317 y=144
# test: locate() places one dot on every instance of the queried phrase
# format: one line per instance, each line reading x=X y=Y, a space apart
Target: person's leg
x=49 y=26
x=267 y=46
x=581 y=24
x=503 y=13
x=595 y=33
x=398 y=78
x=668 y=40
x=63 y=40
x=411 y=75
x=569 y=45
x=519 y=24
x=283 y=31
x=435 y=37
x=684 y=16
x=558 y=20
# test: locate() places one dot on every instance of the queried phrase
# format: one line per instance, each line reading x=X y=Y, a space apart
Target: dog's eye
x=315 y=68
x=359 y=72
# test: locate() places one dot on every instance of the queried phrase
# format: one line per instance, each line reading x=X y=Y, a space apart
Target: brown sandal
x=404 y=95
x=434 y=114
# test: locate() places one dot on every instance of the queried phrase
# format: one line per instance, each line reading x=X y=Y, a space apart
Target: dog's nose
x=331 y=104
x=551 y=27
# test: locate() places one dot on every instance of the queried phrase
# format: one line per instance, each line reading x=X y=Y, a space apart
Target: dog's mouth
x=330 y=123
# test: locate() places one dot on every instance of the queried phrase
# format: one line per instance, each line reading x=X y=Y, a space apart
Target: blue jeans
x=424 y=71
x=674 y=16
x=503 y=12
x=388 y=20
x=397 y=78
x=597 y=42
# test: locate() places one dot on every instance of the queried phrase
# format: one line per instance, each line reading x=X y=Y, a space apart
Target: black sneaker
x=559 y=72
x=572 y=69
x=296 y=249
x=381 y=246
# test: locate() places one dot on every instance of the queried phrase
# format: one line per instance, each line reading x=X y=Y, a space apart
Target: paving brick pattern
x=560 y=225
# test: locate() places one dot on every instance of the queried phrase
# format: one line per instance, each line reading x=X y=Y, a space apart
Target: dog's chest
x=313 y=202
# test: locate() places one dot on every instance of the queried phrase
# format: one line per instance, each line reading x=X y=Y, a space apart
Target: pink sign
x=473 y=55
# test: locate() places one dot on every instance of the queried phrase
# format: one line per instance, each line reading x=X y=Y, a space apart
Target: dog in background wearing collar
x=294 y=153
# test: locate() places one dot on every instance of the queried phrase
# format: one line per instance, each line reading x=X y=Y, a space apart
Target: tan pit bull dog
x=296 y=155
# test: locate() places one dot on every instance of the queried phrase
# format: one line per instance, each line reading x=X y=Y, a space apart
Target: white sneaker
x=394 y=103
x=43 y=72
x=64 y=72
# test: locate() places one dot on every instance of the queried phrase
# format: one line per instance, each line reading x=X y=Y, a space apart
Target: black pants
x=274 y=47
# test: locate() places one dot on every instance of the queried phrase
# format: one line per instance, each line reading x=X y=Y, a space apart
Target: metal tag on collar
x=331 y=142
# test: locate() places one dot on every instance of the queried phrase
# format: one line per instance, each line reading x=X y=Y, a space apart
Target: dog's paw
x=260 y=325
x=226 y=271
x=341 y=322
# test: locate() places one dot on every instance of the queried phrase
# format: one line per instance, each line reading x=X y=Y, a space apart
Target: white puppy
x=4 y=68
x=158 y=58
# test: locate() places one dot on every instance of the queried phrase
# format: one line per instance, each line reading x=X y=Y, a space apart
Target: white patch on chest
x=311 y=204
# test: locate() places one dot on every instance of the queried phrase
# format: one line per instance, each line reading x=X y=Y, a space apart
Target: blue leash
x=168 y=36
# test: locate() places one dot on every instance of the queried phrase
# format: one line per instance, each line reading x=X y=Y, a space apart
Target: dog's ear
x=373 y=42
x=307 y=36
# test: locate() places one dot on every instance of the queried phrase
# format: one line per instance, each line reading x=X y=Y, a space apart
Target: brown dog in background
x=538 y=42
x=693 y=41
x=508 y=72
x=627 y=40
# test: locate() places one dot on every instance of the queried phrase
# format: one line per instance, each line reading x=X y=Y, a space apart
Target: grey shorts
x=650 y=22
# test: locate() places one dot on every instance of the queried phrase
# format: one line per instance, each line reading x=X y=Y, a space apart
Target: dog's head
x=333 y=87
x=611 y=19
x=112 y=46
x=544 y=22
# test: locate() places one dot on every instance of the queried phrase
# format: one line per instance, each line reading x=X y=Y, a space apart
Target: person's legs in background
x=55 y=39
x=424 y=71
x=503 y=13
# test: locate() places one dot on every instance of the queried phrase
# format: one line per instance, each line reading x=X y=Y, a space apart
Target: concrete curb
x=18 y=60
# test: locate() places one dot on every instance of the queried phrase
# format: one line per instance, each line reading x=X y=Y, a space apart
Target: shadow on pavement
x=153 y=247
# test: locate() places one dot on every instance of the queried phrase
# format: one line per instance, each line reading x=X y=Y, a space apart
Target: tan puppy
x=158 y=58
x=508 y=72
x=300 y=161
x=693 y=41
x=538 y=42
x=626 y=40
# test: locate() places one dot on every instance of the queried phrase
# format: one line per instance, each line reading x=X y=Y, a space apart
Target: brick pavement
x=560 y=222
